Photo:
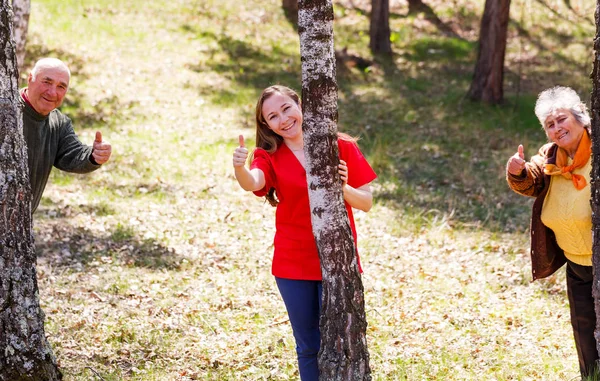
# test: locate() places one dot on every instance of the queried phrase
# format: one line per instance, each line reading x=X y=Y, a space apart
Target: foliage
x=157 y=266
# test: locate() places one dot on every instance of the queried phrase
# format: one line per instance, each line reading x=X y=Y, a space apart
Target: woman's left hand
x=343 y=171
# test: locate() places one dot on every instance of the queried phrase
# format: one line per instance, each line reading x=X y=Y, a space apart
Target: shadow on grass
x=248 y=65
x=428 y=13
x=562 y=16
x=433 y=18
x=66 y=246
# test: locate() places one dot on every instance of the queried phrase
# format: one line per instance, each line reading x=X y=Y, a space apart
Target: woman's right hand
x=516 y=164
x=240 y=155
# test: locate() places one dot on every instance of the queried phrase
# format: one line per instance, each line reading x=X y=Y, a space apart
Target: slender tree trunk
x=379 y=29
x=488 y=79
x=21 y=9
x=343 y=354
x=290 y=8
x=24 y=352
x=595 y=175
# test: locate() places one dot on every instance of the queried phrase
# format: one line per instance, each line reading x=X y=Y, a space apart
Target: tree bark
x=21 y=10
x=290 y=8
x=379 y=29
x=595 y=175
x=343 y=354
x=488 y=79
x=24 y=351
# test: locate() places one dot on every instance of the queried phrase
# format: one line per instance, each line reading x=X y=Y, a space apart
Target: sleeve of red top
x=262 y=161
x=359 y=170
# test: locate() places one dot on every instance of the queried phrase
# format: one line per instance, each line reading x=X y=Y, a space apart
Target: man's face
x=48 y=89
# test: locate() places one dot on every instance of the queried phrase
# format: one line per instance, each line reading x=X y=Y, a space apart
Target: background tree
x=595 y=175
x=379 y=29
x=24 y=352
x=21 y=10
x=343 y=354
x=488 y=79
x=290 y=8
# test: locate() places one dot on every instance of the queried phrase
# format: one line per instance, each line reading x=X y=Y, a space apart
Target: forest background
x=157 y=267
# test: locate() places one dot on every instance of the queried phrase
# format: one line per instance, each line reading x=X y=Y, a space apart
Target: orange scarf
x=584 y=151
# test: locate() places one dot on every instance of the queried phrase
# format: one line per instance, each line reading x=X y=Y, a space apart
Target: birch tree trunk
x=24 y=351
x=488 y=79
x=343 y=354
x=379 y=29
x=595 y=175
x=21 y=10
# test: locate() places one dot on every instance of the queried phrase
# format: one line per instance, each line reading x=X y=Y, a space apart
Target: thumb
x=521 y=154
x=98 y=137
x=241 y=139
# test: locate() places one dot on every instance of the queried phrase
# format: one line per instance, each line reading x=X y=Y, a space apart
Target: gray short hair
x=561 y=97
x=49 y=62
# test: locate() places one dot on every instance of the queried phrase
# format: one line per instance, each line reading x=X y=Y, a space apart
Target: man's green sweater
x=51 y=141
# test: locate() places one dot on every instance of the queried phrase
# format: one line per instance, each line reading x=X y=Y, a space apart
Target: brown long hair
x=270 y=141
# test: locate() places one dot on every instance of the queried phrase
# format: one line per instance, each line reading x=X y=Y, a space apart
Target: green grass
x=157 y=266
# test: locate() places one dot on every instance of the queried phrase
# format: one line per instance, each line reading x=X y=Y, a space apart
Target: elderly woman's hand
x=516 y=164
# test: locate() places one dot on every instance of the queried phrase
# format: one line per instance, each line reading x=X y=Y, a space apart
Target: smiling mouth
x=288 y=127
x=563 y=135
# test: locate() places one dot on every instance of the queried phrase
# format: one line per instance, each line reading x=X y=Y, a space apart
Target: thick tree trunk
x=21 y=10
x=343 y=354
x=379 y=29
x=24 y=351
x=595 y=175
x=488 y=79
x=290 y=8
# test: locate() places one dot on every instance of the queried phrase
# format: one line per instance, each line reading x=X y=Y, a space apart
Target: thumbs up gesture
x=101 y=150
x=516 y=164
x=240 y=155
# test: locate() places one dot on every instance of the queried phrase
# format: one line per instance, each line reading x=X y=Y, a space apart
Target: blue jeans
x=302 y=300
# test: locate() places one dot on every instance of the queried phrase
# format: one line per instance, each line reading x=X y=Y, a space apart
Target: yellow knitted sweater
x=568 y=213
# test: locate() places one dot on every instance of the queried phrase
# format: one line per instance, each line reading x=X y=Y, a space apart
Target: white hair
x=561 y=97
x=48 y=63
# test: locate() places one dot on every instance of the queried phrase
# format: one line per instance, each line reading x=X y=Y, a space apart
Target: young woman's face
x=563 y=129
x=283 y=116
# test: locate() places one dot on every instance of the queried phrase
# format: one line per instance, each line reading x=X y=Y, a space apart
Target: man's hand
x=101 y=150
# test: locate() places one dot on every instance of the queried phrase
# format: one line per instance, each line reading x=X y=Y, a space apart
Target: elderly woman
x=561 y=221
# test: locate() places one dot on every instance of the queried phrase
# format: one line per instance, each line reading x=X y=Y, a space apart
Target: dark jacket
x=51 y=141
x=546 y=255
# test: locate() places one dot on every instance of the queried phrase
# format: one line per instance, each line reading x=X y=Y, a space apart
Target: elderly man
x=49 y=134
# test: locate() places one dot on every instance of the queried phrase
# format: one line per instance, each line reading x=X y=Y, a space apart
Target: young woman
x=277 y=171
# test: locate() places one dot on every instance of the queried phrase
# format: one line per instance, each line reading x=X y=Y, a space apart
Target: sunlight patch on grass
x=437 y=49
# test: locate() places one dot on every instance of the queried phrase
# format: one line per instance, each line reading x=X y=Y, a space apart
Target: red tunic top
x=296 y=255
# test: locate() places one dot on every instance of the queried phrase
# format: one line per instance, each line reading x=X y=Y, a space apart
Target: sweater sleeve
x=72 y=154
x=531 y=181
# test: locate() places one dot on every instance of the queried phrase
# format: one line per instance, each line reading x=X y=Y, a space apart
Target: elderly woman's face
x=563 y=129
